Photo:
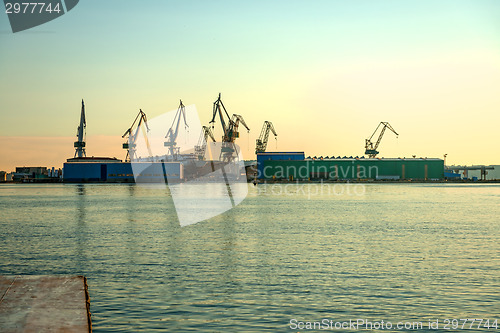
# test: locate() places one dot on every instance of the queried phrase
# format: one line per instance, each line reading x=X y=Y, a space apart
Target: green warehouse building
x=278 y=166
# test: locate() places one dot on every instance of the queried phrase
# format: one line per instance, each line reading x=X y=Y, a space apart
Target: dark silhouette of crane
x=130 y=145
x=261 y=142
x=370 y=147
x=229 y=128
x=81 y=134
x=173 y=131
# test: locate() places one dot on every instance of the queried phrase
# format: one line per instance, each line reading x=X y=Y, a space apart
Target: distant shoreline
x=496 y=181
x=273 y=182
x=440 y=181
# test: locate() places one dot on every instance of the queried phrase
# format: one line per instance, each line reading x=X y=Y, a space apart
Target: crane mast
x=81 y=134
x=200 y=149
x=217 y=110
x=370 y=147
x=130 y=145
x=261 y=142
x=172 y=133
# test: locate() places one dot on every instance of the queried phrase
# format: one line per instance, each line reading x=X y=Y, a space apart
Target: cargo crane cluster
x=370 y=147
x=230 y=125
x=180 y=163
x=205 y=161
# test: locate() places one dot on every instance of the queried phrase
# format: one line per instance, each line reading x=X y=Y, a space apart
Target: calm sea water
x=402 y=252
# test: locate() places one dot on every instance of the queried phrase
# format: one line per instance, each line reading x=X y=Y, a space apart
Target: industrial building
x=111 y=170
x=265 y=157
x=292 y=166
x=37 y=174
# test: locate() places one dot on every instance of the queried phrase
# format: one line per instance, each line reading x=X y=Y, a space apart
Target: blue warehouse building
x=111 y=170
x=276 y=156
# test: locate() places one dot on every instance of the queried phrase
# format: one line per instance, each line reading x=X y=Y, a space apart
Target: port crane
x=173 y=131
x=229 y=129
x=81 y=133
x=199 y=149
x=261 y=142
x=370 y=147
x=130 y=145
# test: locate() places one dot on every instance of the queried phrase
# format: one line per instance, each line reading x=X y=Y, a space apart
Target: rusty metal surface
x=37 y=303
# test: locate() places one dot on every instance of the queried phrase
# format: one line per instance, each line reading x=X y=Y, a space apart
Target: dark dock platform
x=41 y=303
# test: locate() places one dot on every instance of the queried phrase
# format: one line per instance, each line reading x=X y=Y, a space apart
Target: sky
x=325 y=73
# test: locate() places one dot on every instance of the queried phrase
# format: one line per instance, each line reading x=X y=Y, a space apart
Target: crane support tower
x=370 y=147
x=261 y=142
x=130 y=145
x=81 y=133
x=200 y=149
x=173 y=131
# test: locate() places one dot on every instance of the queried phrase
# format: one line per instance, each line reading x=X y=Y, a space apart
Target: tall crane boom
x=81 y=133
x=261 y=142
x=199 y=149
x=370 y=147
x=229 y=129
x=130 y=145
x=232 y=132
x=173 y=131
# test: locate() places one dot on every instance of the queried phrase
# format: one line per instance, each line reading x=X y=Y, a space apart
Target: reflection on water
x=81 y=232
x=396 y=252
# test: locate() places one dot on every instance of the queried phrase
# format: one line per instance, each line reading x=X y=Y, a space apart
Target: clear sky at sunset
x=324 y=72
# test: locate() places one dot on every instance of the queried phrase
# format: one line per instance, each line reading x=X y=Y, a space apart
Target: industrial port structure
x=293 y=166
x=269 y=166
x=175 y=166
